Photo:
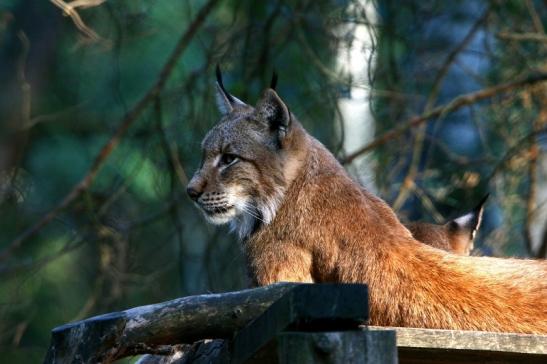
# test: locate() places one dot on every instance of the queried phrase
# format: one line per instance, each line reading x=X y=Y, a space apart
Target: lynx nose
x=193 y=192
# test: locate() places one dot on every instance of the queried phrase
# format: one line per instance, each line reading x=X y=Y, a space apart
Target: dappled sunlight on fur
x=312 y=223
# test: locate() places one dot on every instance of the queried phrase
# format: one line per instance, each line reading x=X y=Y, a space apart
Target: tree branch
x=454 y=105
x=69 y=10
x=531 y=195
x=412 y=172
x=113 y=142
x=523 y=37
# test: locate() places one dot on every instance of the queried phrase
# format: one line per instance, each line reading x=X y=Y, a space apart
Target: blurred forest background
x=429 y=103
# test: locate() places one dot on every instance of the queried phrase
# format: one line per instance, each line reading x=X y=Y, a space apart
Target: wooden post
x=307 y=307
x=366 y=347
x=305 y=326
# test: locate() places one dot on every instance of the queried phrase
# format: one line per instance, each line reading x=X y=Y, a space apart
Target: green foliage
x=133 y=237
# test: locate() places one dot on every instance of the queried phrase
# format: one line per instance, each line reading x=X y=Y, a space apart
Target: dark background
x=86 y=230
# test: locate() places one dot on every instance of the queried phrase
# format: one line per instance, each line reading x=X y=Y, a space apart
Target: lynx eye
x=228 y=159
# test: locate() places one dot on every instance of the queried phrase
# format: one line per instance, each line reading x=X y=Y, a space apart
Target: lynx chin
x=301 y=218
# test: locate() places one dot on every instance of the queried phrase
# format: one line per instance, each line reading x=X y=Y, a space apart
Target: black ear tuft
x=225 y=102
x=221 y=84
x=273 y=84
x=480 y=205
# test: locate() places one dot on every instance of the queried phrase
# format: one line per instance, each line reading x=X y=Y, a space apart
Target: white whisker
x=248 y=210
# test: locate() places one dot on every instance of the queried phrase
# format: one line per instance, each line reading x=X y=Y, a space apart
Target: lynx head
x=243 y=172
x=456 y=235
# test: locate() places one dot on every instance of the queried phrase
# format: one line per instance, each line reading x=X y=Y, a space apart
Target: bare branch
x=113 y=142
x=21 y=77
x=417 y=148
x=536 y=20
x=523 y=37
x=84 y=4
x=69 y=10
x=454 y=105
x=531 y=195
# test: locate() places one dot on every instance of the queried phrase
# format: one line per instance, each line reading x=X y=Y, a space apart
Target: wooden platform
x=451 y=346
x=282 y=323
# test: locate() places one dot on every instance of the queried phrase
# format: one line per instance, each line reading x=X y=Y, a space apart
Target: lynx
x=455 y=236
x=301 y=218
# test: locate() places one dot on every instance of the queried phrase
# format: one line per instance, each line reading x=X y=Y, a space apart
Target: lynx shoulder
x=301 y=218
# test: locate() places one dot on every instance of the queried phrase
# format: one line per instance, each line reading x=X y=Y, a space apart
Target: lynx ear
x=225 y=102
x=272 y=110
x=471 y=221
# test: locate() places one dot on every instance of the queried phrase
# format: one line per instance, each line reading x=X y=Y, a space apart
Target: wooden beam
x=308 y=307
x=154 y=328
x=364 y=347
x=454 y=346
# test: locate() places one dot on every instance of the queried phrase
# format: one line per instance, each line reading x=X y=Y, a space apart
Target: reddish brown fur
x=326 y=228
x=441 y=237
x=455 y=236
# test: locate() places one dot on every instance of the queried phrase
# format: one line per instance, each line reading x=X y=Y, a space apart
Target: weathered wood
x=159 y=328
x=201 y=352
x=139 y=330
x=308 y=307
x=454 y=346
x=366 y=347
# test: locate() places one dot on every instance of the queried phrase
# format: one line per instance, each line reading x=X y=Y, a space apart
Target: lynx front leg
x=282 y=263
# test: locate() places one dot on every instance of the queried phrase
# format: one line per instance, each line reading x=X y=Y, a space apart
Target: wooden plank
x=455 y=346
x=363 y=347
x=308 y=307
x=357 y=346
x=437 y=356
